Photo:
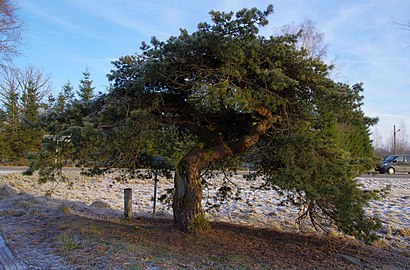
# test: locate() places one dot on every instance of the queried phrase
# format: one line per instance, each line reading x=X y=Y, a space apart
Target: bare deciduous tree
x=10 y=32
x=405 y=26
x=401 y=142
x=377 y=142
x=32 y=77
x=310 y=38
x=313 y=41
x=22 y=87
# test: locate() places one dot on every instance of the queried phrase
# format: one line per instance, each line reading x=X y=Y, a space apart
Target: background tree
x=64 y=98
x=353 y=132
x=402 y=140
x=309 y=38
x=10 y=133
x=224 y=92
x=22 y=93
x=86 y=90
x=378 y=144
x=10 y=32
x=352 y=137
x=385 y=148
x=34 y=87
x=405 y=26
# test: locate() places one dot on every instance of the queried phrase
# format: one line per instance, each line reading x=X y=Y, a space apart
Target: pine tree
x=225 y=91
x=11 y=106
x=64 y=98
x=23 y=92
x=11 y=145
x=86 y=90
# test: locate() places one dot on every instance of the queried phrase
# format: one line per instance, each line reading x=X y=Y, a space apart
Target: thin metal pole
x=394 y=139
x=155 y=193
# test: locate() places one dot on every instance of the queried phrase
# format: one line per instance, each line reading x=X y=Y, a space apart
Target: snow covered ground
x=256 y=207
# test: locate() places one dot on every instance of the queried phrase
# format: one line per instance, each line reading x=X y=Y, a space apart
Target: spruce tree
x=22 y=93
x=86 y=90
x=64 y=98
x=11 y=144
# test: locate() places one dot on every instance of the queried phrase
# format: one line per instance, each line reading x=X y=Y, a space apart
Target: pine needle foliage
x=224 y=93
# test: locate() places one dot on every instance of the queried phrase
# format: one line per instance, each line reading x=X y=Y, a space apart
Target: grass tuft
x=68 y=243
x=382 y=243
x=100 y=204
x=65 y=209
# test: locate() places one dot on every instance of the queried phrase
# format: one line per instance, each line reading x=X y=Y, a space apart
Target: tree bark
x=187 y=206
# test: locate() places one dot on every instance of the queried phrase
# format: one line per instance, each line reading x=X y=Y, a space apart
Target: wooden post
x=127 y=203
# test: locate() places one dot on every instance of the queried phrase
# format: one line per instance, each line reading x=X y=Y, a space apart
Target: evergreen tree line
x=25 y=96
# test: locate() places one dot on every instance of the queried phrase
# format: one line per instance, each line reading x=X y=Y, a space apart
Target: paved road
x=377 y=175
x=13 y=169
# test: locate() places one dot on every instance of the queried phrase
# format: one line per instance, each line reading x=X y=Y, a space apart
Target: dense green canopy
x=225 y=92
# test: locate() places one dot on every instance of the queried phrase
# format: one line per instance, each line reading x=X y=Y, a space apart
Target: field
x=80 y=225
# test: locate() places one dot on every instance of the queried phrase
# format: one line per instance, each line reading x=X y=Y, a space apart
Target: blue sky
x=62 y=38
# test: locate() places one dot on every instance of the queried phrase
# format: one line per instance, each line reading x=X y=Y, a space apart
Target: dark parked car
x=395 y=163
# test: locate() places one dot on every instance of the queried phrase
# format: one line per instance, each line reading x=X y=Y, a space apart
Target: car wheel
x=390 y=170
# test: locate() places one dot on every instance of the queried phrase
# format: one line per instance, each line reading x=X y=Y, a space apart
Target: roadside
x=11 y=169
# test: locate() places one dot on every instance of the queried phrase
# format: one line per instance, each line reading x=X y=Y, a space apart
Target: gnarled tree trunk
x=188 y=213
x=187 y=206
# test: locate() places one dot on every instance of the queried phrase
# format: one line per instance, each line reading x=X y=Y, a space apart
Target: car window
x=389 y=158
x=408 y=158
x=400 y=159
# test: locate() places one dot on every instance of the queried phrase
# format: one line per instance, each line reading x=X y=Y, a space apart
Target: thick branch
x=261 y=127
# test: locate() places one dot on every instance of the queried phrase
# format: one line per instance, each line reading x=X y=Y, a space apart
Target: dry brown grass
x=100 y=204
x=65 y=209
x=143 y=243
x=405 y=232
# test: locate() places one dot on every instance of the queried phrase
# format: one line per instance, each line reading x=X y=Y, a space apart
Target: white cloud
x=52 y=16
x=146 y=18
